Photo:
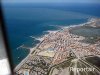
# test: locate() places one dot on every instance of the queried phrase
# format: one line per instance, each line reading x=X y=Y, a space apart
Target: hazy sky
x=53 y=1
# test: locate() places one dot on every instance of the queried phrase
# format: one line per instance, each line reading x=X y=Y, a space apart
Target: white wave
x=52 y=31
x=57 y=26
x=32 y=37
x=20 y=46
x=37 y=38
x=40 y=38
x=83 y=24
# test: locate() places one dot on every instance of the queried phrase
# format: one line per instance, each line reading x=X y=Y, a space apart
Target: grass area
x=92 y=34
x=60 y=65
x=94 y=60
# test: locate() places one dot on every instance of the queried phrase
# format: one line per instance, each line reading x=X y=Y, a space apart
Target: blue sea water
x=25 y=20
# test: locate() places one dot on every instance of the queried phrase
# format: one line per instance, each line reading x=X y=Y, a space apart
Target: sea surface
x=25 y=20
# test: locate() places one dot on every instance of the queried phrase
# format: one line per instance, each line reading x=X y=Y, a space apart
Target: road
x=76 y=64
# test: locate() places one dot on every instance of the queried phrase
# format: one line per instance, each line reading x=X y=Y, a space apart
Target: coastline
x=41 y=39
x=24 y=60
